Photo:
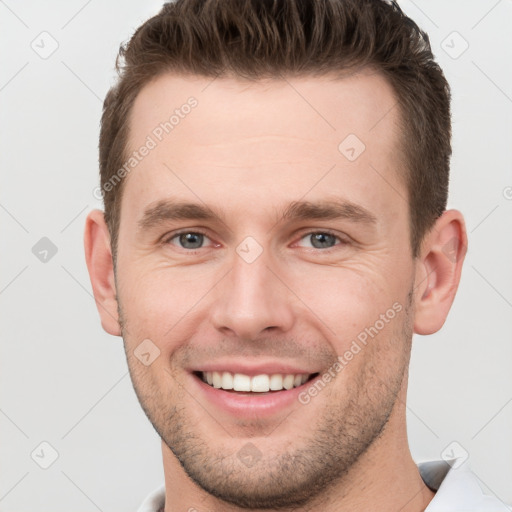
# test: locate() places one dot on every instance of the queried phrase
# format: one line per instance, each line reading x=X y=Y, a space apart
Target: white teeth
x=257 y=384
x=241 y=382
x=227 y=380
x=276 y=382
x=217 y=380
x=288 y=382
x=260 y=383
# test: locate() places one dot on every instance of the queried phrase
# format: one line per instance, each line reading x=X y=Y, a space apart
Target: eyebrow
x=168 y=209
x=329 y=210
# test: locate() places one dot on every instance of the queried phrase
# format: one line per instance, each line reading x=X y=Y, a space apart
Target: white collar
x=457 y=489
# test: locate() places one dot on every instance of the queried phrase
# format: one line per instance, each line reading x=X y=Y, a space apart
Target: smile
x=262 y=383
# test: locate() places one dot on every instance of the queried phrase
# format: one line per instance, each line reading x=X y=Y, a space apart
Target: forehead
x=275 y=136
x=329 y=104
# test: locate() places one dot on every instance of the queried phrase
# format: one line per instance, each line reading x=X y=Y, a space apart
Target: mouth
x=264 y=391
x=262 y=384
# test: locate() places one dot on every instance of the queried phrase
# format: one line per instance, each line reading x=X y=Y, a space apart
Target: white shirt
x=457 y=490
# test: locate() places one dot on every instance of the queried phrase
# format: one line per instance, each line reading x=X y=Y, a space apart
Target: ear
x=98 y=255
x=438 y=270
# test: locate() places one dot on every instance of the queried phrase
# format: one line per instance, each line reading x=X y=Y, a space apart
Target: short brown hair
x=254 y=39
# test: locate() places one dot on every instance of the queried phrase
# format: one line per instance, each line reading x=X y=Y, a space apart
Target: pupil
x=191 y=240
x=322 y=240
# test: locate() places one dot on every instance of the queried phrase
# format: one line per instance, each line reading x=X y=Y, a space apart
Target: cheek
x=348 y=299
x=159 y=302
x=167 y=304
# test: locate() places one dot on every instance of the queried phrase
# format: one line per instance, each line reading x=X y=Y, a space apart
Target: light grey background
x=64 y=381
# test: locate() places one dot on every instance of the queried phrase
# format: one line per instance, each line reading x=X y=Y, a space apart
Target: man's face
x=271 y=283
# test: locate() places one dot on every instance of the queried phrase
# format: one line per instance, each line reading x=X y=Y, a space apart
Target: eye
x=188 y=240
x=321 y=240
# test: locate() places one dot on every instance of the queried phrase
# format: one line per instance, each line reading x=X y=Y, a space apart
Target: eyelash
x=168 y=239
x=342 y=241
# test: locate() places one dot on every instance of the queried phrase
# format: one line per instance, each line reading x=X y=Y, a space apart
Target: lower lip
x=252 y=404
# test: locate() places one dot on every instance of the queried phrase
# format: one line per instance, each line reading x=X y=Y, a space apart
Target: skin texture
x=247 y=150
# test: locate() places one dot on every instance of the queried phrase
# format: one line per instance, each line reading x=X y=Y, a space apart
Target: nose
x=251 y=299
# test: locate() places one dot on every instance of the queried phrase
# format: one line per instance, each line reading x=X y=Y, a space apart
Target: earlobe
x=98 y=255
x=438 y=271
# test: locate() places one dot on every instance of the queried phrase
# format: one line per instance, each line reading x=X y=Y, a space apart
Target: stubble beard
x=296 y=476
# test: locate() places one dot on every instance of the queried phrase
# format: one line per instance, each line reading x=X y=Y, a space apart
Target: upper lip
x=252 y=369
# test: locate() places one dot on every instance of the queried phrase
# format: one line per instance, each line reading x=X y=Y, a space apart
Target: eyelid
x=166 y=239
x=343 y=239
